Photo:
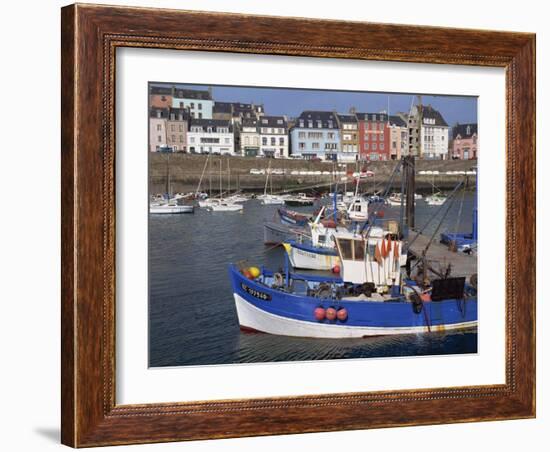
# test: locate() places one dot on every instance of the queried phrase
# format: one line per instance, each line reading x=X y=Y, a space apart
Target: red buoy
x=247 y=274
x=319 y=313
x=336 y=269
x=331 y=314
x=342 y=314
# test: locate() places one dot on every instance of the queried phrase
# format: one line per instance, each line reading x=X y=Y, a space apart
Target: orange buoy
x=336 y=269
x=319 y=313
x=342 y=314
x=247 y=274
x=331 y=314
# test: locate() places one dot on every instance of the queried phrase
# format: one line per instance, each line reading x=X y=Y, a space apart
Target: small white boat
x=436 y=199
x=395 y=199
x=221 y=205
x=170 y=208
x=358 y=210
x=237 y=198
x=272 y=200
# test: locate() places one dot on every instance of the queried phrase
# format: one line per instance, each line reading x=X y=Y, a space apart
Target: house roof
x=272 y=121
x=154 y=112
x=397 y=121
x=222 y=107
x=177 y=112
x=429 y=112
x=347 y=118
x=382 y=117
x=327 y=118
x=192 y=94
x=465 y=130
x=160 y=90
x=214 y=123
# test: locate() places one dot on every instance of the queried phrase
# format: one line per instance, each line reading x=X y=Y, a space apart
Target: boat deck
x=440 y=255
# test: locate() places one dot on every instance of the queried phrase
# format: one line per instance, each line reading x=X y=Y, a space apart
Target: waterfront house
x=210 y=136
x=198 y=102
x=434 y=134
x=157 y=128
x=273 y=136
x=374 y=136
x=398 y=137
x=464 y=142
x=177 y=123
x=315 y=134
x=349 y=137
x=249 y=138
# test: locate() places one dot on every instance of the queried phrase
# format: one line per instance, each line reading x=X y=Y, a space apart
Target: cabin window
x=359 y=250
x=345 y=247
x=323 y=238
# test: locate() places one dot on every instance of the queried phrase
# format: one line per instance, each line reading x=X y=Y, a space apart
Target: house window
x=172 y=128
x=281 y=141
x=181 y=138
x=159 y=139
x=273 y=141
x=181 y=104
x=314 y=145
x=200 y=115
x=381 y=146
x=310 y=123
x=191 y=139
x=192 y=104
x=330 y=135
x=301 y=145
x=181 y=128
x=159 y=127
x=374 y=146
x=264 y=141
x=227 y=141
x=173 y=138
x=301 y=134
x=200 y=106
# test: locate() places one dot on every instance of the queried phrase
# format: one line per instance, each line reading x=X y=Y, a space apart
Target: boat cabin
x=375 y=259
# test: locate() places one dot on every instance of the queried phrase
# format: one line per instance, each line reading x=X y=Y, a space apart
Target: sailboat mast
x=167 y=176
x=221 y=189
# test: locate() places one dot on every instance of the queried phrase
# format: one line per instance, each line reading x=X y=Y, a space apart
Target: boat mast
x=221 y=189
x=168 y=177
x=210 y=178
x=410 y=188
x=202 y=175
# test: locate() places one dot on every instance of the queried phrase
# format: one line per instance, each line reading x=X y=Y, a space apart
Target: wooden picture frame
x=90 y=37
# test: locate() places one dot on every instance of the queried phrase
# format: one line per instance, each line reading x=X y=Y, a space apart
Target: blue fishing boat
x=292 y=217
x=371 y=297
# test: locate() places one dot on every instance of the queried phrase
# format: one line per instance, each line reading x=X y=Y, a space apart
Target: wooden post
x=410 y=189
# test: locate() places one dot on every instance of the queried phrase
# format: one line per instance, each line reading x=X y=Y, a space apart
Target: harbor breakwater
x=186 y=170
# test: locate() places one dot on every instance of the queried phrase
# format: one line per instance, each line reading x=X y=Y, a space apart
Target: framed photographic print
x=281 y=225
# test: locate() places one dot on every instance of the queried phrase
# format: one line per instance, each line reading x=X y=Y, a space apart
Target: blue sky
x=291 y=102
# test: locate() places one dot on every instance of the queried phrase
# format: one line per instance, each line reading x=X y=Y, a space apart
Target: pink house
x=464 y=145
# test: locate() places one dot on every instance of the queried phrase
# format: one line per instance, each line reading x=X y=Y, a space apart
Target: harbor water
x=192 y=316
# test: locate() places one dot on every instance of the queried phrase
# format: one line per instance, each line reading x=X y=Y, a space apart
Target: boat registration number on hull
x=255 y=293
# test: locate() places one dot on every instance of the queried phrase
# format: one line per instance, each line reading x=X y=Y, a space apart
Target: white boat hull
x=253 y=318
x=310 y=261
x=165 y=209
x=226 y=208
